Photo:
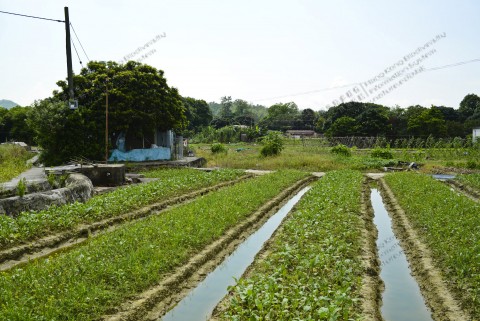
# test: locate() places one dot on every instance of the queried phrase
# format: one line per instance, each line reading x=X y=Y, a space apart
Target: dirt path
x=156 y=301
x=434 y=289
x=50 y=244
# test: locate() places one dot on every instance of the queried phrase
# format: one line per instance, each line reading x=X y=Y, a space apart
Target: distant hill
x=7 y=103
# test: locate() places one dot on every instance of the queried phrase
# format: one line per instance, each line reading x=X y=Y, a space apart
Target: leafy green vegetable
x=91 y=280
x=313 y=271
x=449 y=223
x=171 y=183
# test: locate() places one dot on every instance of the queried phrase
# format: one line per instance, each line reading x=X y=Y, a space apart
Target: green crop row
x=472 y=180
x=171 y=183
x=450 y=224
x=313 y=270
x=94 y=278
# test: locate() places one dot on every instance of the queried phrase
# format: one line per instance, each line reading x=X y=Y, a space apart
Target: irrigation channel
x=200 y=302
x=402 y=300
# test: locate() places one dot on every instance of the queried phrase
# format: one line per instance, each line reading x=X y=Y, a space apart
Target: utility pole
x=106 y=122
x=71 y=97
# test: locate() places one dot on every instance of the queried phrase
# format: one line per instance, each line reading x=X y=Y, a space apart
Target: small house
x=300 y=134
x=160 y=145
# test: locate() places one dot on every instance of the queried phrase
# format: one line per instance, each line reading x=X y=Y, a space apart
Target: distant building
x=301 y=133
x=475 y=134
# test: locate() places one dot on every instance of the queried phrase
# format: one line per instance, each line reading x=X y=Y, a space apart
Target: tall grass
x=12 y=161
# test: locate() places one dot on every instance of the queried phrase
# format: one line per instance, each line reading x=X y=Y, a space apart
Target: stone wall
x=77 y=188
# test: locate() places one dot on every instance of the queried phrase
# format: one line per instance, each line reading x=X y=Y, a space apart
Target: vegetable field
x=171 y=183
x=449 y=224
x=313 y=270
x=472 y=180
x=95 y=278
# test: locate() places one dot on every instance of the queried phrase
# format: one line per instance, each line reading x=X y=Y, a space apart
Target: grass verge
x=472 y=180
x=12 y=161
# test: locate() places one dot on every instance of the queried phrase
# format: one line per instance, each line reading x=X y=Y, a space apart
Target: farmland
x=316 y=155
x=312 y=270
x=448 y=223
x=472 y=180
x=172 y=182
x=93 y=279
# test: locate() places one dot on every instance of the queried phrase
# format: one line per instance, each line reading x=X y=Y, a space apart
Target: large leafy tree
x=469 y=104
x=281 y=116
x=140 y=101
x=198 y=113
x=343 y=126
x=427 y=122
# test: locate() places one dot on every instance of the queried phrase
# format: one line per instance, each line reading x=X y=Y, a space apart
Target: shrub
x=342 y=150
x=22 y=187
x=218 y=148
x=382 y=153
x=272 y=144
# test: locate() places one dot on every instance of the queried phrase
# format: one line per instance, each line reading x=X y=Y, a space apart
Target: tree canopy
x=139 y=101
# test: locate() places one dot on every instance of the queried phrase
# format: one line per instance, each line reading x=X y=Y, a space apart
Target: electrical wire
x=357 y=83
x=79 y=42
x=453 y=65
x=27 y=16
x=78 y=56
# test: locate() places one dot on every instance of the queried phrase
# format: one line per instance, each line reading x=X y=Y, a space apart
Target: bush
x=272 y=144
x=22 y=187
x=341 y=150
x=218 y=148
x=382 y=153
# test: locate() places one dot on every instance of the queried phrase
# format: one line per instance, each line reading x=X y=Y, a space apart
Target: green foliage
x=218 y=148
x=281 y=116
x=341 y=150
x=140 y=101
x=272 y=144
x=343 y=126
x=94 y=278
x=448 y=222
x=382 y=153
x=12 y=161
x=473 y=180
x=22 y=187
x=172 y=182
x=313 y=270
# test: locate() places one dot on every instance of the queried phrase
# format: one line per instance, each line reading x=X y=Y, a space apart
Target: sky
x=315 y=53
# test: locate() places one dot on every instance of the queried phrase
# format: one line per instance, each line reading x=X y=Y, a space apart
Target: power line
x=357 y=83
x=74 y=47
x=308 y=92
x=453 y=65
x=33 y=17
x=79 y=42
